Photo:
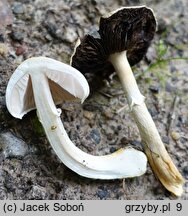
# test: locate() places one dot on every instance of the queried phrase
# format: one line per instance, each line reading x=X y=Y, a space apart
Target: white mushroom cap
x=43 y=81
x=66 y=83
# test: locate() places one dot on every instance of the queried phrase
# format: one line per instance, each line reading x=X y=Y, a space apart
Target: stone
x=108 y=114
x=17 y=36
x=110 y=136
x=95 y=135
x=6 y=17
x=12 y=146
x=112 y=149
x=154 y=89
x=20 y=50
x=51 y=28
x=18 y=8
x=165 y=139
x=88 y=115
x=136 y=143
x=3 y=49
x=169 y=87
x=69 y=35
x=175 y=135
x=2 y=39
x=185 y=172
x=162 y=25
x=119 y=127
x=151 y=54
x=153 y=112
x=102 y=193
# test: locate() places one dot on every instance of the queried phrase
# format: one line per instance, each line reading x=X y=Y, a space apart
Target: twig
x=125 y=107
x=105 y=94
x=171 y=115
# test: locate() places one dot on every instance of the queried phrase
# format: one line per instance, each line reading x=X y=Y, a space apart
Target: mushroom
x=125 y=35
x=40 y=82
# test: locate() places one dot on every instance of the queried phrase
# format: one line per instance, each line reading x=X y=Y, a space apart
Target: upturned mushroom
x=124 y=37
x=40 y=82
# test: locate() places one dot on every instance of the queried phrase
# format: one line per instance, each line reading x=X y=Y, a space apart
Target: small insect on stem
x=53 y=127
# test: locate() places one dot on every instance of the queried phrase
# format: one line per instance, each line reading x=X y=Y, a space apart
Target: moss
x=65 y=57
x=159 y=68
x=37 y=127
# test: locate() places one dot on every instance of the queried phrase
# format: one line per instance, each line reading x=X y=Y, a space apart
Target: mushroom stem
x=158 y=157
x=121 y=164
x=121 y=64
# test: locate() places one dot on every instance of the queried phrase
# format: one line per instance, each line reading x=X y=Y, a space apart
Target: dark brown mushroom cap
x=129 y=28
x=90 y=58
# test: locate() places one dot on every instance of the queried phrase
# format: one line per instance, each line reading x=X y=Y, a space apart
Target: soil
x=29 y=168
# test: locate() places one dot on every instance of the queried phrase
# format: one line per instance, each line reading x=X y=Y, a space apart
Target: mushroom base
x=159 y=159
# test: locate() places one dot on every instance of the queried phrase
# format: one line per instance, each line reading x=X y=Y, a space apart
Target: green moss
x=37 y=127
x=100 y=99
x=65 y=57
x=159 y=68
